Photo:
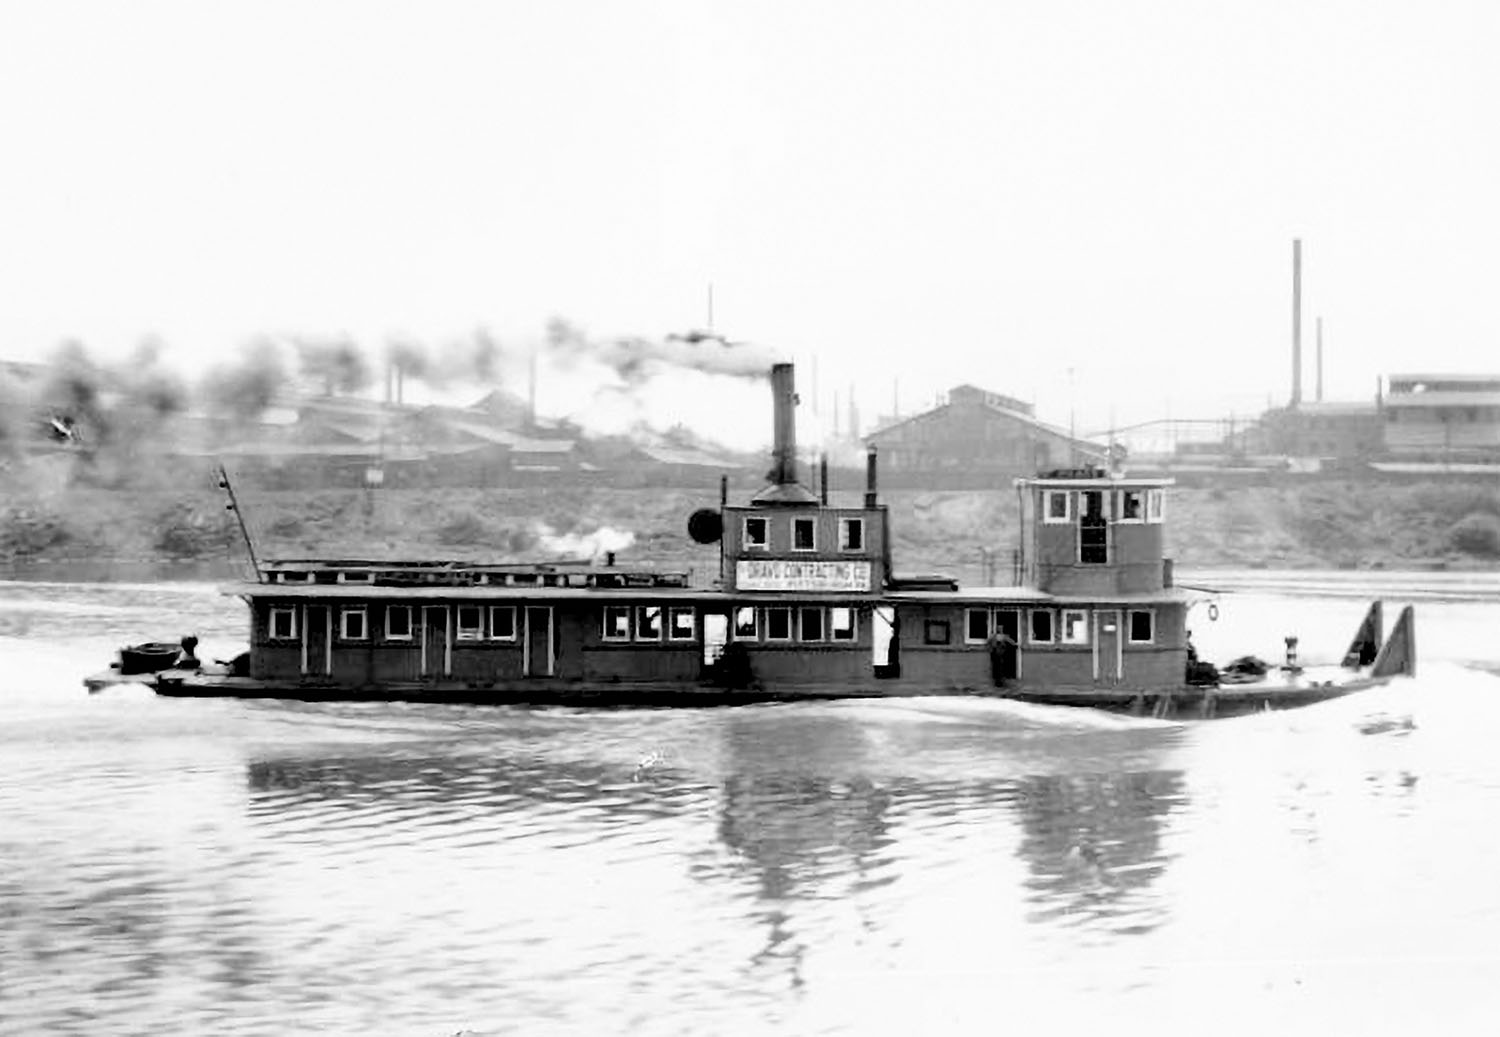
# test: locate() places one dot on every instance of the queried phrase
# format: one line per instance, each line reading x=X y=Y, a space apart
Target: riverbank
x=969 y=534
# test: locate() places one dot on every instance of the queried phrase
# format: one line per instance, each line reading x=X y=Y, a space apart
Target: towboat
x=805 y=604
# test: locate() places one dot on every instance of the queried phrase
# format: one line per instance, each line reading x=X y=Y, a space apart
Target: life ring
x=1213 y=612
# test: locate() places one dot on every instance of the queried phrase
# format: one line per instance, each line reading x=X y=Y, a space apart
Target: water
x=919 y=866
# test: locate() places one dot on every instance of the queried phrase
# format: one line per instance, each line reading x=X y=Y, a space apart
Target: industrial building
x=977 y=438
x=1442 y=417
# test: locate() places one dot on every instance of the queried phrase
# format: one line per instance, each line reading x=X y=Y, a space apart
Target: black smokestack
x=784 y=488
x=784 y=402
x=870 y=489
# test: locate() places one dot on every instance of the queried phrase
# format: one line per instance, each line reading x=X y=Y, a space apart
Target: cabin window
x=352 y=624
x=935 y=632
x=756 y=533
x=841 y=623
x=470 y=623
x=1156 y=503
x=1093 y=529
x=851 y=534
x=1057 y=506
x=398 y=623
x=296 y=577
x=283 y=622
x=778 y=624
x=811 y=620
x=1041 y=626
x=977 y=626
x=1075 y=627
x=1142 y=626
x=361 y=577
x=744 y=623
x=682 y=625
x=804 y=534
x=502 y=622
x=617 y=622
x=648 y=622
x=1132 y=506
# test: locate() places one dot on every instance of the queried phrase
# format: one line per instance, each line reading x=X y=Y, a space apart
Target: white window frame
x=673 y=614
x=498 y=610
x=734 y=623
x=1081 y=628
x=1031 y=637
x=989 y=625
x=1130 y=615
x=1156 y=506
x=822 y=624
x=1140 y=512
x=642 y=612
x=766 y=624
x=411 y=627
x=805 y=523
x=616 y=610
x=349 y=612
x=845 y=525
x=360 y=577
x=470 y=633
x=290 y=612
x=764 y=544
x=1054 y=520
x=295 y=576
x=853 y=614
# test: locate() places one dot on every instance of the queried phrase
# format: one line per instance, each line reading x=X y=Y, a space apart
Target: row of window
x=1103 y=505
x=786 y=623
x=804 y=533
x=809 y=623
x=473 y=623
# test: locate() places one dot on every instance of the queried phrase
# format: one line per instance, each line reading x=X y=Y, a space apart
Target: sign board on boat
x=789 y=575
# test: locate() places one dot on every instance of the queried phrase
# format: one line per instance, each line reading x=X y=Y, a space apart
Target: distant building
x=1442 y=417
x=1345 y=431
x=977 y=438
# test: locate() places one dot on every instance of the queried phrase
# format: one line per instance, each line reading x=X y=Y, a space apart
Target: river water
x=907 y=866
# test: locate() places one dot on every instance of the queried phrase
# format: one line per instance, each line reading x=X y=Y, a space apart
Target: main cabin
x=805 y=603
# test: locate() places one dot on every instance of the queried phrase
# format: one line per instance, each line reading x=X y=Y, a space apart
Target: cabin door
x=1008 y=628
x=1108 y=645
x=435 y=647
x=539 y=658
x=317 y=640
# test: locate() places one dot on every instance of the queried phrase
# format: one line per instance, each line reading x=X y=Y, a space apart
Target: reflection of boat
x=806 y=604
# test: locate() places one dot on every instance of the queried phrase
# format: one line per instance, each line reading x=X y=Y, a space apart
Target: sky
x=1088 y=204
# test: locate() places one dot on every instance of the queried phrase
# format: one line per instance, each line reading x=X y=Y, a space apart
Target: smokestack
x=870 y=495
x=784 y=488
x=823 y=480
x=784 y=402
x=1296 y=322
x=1320 y=360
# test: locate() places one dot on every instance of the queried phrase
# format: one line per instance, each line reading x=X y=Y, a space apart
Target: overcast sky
x=944 y=192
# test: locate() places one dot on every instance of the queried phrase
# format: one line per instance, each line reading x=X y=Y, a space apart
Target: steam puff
x=636 y=360
x=592 y=546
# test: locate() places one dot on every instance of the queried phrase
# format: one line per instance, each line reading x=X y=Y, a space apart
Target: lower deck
x=716 y=642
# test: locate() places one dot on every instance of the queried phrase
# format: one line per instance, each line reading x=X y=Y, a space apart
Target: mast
x=234 y=506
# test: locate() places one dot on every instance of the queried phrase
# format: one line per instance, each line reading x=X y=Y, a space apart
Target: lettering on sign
x=786 y=575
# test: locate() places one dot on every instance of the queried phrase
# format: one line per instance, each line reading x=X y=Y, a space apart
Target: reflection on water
x=178 y=866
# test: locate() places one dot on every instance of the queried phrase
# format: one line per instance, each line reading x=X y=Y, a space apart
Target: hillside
x=1322 y=525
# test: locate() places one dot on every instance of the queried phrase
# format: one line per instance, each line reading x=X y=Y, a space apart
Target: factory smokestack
x=784 y=488
x=1320 y=360
x=1296 y=322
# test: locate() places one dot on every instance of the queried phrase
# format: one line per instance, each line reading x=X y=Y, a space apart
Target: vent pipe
x=871 y=498
x=1320 y=360
x=823 y=480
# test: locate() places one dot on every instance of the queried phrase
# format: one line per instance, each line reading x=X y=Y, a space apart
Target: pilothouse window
x=755 y=533
x=804 y=534
x=851 y=534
